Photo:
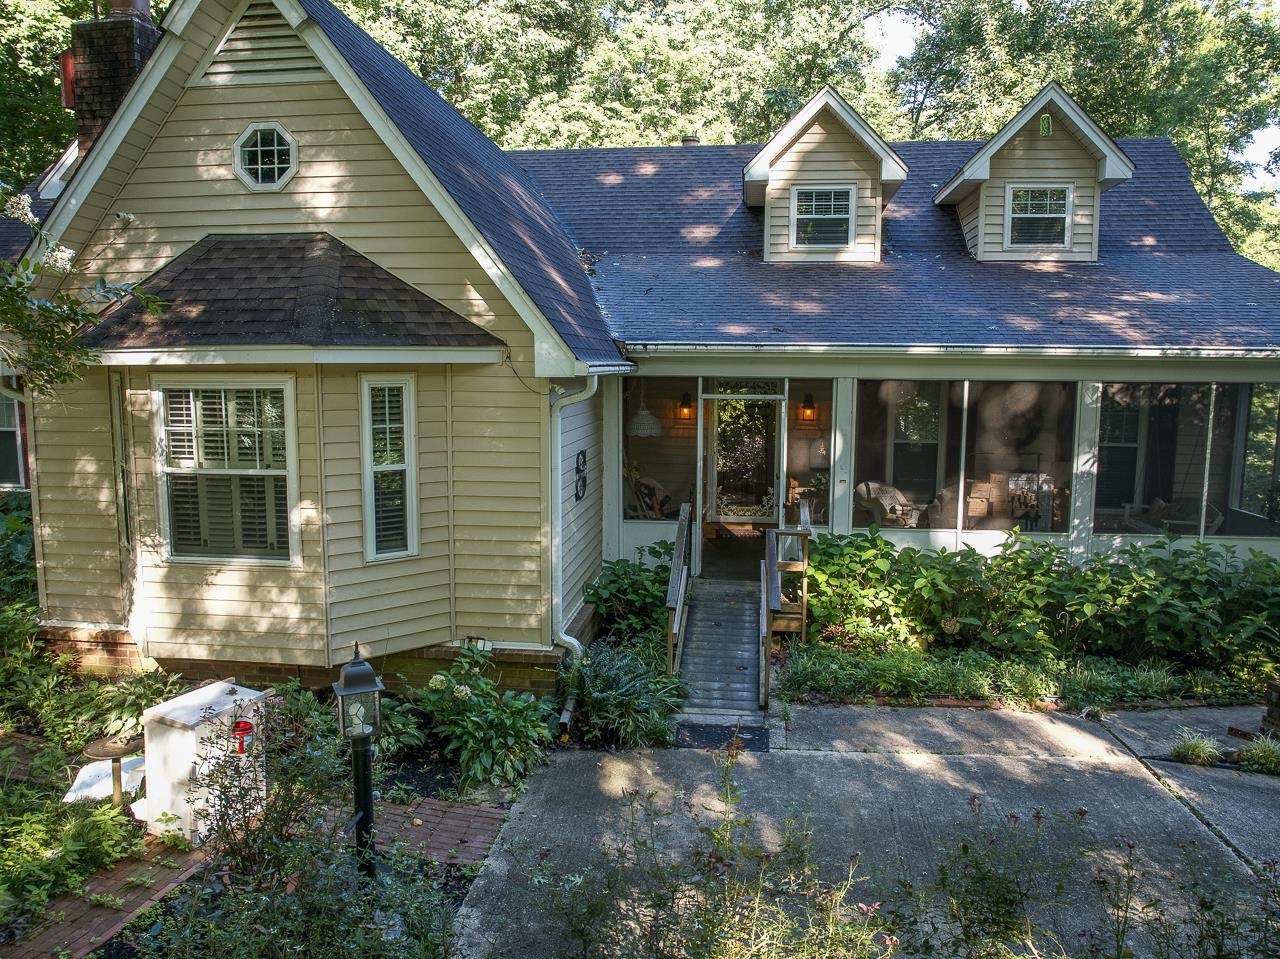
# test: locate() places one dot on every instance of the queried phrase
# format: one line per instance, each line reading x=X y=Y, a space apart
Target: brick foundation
x=113 y=652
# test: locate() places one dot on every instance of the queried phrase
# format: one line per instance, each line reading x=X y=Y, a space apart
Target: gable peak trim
x=1114 y=166
x=755 y=176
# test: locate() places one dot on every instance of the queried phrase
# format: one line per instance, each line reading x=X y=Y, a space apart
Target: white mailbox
x=182 y=731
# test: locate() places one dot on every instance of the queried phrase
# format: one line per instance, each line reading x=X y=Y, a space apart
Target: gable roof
x=495 y=194
x=755 y=175
x=291 y=289
x=677 y=261
x=1114 y=166
x=16 y=236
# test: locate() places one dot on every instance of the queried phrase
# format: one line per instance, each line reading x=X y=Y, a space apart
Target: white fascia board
x=86 y=178
x=305 y=355
x=552 y=356
x=1114 y=167
x=893 y=171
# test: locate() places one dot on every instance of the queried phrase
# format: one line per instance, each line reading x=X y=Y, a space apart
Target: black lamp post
x=359 y=692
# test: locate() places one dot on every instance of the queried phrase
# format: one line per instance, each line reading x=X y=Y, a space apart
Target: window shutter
x=185 y=528
x=390 y=522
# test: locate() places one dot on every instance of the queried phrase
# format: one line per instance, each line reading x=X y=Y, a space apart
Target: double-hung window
x=387 y=452
x=13 y=460
x=225 y=463
x=1038 y=216
x=821 y=217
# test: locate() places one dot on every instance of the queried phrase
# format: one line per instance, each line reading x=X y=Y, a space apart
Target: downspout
x=558 y=635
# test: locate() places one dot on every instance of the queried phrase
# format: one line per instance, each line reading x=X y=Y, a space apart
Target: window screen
x=1038 y=216
x=388 y=481
x=822 y=217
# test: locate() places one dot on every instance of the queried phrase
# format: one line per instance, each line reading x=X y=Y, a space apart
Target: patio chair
x=886 y=504
x=1180 y=516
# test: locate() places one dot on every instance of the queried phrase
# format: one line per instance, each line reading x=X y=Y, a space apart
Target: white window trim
x=243 y=174
x=853 y=215
x=367 y=469
x=285 y=382
x=1068 y=217
x=24 y=481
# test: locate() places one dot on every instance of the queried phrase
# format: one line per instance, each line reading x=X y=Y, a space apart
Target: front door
x=742 y=489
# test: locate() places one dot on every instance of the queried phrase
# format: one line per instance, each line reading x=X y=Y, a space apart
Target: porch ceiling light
x=642 y=422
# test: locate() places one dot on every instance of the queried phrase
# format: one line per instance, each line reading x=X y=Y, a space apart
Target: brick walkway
x=78 y=927
x=451 y=833
x=24 y=749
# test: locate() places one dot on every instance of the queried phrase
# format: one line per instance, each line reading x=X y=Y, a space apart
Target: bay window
x=225 y=471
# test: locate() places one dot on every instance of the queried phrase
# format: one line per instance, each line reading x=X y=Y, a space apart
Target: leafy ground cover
x=623 y=693
x=1149 y=624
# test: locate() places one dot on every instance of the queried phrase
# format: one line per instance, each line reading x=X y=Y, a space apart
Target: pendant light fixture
x=642 y=422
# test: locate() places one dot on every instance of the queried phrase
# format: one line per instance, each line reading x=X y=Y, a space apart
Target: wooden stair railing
x=777 y=614
x=678 y=590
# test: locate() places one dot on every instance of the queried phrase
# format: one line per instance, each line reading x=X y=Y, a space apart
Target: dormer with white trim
x=823 y=181
x=1033 y=191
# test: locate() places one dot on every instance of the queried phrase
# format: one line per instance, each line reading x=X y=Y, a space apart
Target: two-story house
x=407 y=387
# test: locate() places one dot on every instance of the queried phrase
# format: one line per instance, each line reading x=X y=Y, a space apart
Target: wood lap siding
x=582 y=429
x=1031 y=158
x=74 y=496
x=397 y=604
x=175 y=176
x=826 y=153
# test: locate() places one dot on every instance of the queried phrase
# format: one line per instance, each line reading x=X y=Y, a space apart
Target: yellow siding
x=967 y=211
x=396 y=604
x=825 y=154
x=263 y=48
x=1029 y=158
x=79 y=569
x=582 y=430
x=203 y=610
x=175 y=176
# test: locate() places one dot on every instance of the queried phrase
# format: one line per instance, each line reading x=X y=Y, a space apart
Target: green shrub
x=622 y=700
x=1261 y=755
x=496 y=737
x=17 y=550
x=630 y=596
x=1199 y=607
x=1196 y=748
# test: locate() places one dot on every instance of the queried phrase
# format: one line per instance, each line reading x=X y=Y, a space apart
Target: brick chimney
x=106 y=57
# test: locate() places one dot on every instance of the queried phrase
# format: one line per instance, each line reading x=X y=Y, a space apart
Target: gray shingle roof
x=14 y=234
x=678 y=261
x=495 y=194
x=295 y=289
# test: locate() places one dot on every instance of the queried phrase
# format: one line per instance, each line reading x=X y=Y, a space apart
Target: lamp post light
x=359 y=692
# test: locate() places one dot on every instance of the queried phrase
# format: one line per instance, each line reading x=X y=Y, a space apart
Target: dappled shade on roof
x=291 y=289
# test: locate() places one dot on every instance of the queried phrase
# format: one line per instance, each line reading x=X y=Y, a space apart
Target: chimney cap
x=690 y=140
x=131 y=8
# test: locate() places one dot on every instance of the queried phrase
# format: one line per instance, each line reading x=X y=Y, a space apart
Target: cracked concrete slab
x=1153 y=732
x=900 y=810
x=1245 y=807
x=959 y=732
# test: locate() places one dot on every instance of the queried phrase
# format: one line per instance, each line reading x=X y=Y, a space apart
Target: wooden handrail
x=776 y=614
x=766 y=633
x=773 y=577
x=678 y=588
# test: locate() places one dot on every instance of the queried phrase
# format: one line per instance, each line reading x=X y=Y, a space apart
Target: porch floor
x=733 y=554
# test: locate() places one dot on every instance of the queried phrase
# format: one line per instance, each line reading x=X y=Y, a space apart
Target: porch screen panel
x=906 y=454
x=1152 y=443
x=659 y=446
x=809 y=450
x=1244 y=466
x=1018 y=456
x=225 y=473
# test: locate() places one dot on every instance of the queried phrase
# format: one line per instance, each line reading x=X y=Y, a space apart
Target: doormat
x=753 y=739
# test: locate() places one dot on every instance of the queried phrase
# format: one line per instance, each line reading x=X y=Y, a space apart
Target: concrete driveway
x=893 y=786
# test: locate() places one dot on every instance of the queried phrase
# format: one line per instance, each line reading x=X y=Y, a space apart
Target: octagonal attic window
x=266 y=156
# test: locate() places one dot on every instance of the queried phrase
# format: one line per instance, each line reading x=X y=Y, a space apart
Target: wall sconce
x=808 y=412
x=685 y=410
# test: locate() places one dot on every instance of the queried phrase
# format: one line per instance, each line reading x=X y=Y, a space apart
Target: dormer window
x=1038 y=216
x=820 y=217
